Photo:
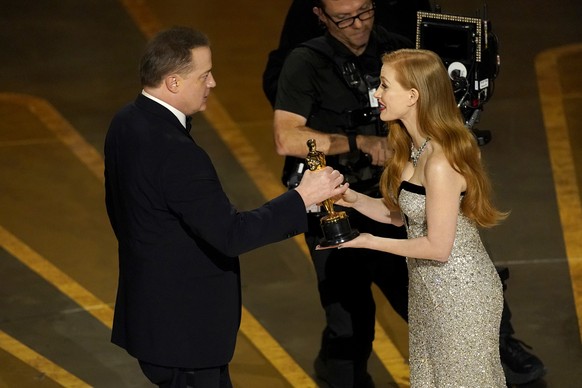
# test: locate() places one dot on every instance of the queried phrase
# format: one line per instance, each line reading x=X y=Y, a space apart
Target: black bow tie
x=188 y=123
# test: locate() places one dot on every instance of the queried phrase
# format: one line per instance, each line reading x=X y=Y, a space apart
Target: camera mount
x=469 y=51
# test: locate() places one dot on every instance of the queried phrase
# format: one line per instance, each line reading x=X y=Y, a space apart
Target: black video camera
x=469 y=51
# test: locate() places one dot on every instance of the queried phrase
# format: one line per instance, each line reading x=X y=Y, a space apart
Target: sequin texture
x=454 y=307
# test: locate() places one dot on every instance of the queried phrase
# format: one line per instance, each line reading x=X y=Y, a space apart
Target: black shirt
x=313 y=85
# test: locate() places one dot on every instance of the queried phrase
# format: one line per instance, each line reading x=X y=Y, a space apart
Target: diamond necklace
x=415 y=153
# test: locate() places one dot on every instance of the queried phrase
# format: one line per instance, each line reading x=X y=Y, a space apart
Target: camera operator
x=325 y=92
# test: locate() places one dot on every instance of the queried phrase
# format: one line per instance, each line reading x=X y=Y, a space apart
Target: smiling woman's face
x=394 y=100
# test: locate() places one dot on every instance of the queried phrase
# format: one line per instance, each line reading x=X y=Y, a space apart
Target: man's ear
x=320 y=15
x=172 y=83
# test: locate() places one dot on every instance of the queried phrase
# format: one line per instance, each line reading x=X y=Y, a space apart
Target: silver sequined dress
x=454 y=307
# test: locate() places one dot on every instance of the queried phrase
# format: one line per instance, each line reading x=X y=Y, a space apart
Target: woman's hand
x=362 y=241
x=348 y=198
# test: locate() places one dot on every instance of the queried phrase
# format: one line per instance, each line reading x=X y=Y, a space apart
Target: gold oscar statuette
x=335 y=225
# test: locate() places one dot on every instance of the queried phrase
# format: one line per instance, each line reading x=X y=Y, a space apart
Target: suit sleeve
x=194 y=194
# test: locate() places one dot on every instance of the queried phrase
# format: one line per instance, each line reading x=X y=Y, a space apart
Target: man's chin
x=360 y=44
x=201 y=108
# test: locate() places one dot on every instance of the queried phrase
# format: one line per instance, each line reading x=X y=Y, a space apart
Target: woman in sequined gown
x=435 y=184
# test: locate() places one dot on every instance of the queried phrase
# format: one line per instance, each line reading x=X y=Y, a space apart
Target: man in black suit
x=178 y=303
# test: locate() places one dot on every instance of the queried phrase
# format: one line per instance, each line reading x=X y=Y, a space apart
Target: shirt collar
x=179 y=115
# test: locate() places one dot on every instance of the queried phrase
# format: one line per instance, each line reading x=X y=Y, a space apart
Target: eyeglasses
x=345 y=23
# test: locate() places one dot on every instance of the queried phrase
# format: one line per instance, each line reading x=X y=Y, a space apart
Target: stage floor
x=68 y=66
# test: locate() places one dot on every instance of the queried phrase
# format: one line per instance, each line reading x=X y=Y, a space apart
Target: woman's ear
x=413 y=96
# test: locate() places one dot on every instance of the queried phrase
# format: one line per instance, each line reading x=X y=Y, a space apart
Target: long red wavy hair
x=441 y=120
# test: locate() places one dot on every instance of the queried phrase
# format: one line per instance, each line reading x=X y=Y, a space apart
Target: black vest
x=351 y=111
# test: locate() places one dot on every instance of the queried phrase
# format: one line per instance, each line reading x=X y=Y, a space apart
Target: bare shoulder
x=439 y=171
x=437 y=162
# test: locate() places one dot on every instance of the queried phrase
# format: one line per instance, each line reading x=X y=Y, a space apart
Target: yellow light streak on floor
x=273 y=352
x=35 y=360
x=391 y=357
x=563 y=166
x=45 y=269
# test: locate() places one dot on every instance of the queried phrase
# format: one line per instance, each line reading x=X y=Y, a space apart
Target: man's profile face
x=356 y=36
x=197 y=83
